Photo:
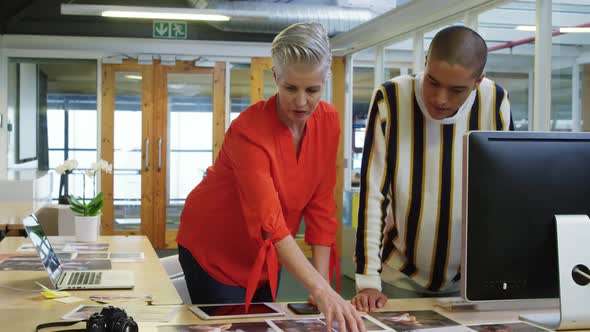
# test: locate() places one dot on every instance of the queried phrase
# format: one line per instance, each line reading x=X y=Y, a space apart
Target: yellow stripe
x=495 y=126
x=451 y=204
x=500 y=111
x=440 y=176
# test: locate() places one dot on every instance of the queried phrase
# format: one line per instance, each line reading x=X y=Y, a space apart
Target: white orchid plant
x=79 y=205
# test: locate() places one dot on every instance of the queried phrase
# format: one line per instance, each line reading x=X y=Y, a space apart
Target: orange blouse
x=258 y=184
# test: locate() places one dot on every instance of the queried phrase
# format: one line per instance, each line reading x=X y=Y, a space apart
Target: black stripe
x=444 y=216
x=416 y=205
x=499 y=97
x=474 y=114
x=391 y=91
x=360 y=254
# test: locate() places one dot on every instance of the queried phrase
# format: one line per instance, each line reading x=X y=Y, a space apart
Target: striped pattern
x=410 y=196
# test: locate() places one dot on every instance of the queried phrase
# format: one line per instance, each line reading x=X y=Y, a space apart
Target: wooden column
x=257 y=68
x=106 y=146
x=339 y=99
x=218 y=107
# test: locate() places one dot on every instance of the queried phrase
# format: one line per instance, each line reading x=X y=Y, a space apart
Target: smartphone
x=303 y=308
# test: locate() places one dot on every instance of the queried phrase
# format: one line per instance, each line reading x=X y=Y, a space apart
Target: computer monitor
x=514 y=184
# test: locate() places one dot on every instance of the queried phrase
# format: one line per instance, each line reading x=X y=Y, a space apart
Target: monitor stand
x=573 y=246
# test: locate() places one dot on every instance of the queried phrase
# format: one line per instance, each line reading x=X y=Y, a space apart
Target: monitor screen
x=514 y=185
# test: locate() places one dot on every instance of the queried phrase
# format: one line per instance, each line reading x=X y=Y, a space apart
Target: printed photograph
x=300 y=325
x=82 y=312
x=230 y=327
x=84 y=246
x=370 y=325
x=21 y=265
x=92 y=255
x=506 y=327
x=88 y=264
x=129 y=257
x=413 y=320
x=31 y=247
x=139 y=313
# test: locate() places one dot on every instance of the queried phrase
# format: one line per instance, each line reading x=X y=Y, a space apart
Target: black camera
x=111 y=319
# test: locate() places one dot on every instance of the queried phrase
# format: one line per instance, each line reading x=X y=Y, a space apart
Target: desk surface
x=150 y=276
x=24 y=320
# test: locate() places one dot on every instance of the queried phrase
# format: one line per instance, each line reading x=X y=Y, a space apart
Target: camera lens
x=127 y=325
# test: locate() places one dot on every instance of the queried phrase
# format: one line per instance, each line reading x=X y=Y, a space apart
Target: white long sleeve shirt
x=409 y=222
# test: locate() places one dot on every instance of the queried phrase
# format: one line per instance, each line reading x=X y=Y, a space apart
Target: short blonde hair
x=302 y=43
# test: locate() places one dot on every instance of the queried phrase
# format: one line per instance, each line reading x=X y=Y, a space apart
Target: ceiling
x=43 y=17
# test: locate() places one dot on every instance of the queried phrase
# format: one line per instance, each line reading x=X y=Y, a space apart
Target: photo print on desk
x=92 y=255
x=298 y=325
x=160 y=313
x=225 y=327
x=66 y=264
x=115 y=257
x=31 y=257
x=30 y=247
x=85 y=246
x=126 y=257
x=506 y=327
x=371 y=324
x=420 y=320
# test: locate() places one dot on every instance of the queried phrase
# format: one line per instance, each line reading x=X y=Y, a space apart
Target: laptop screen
x=44 y=249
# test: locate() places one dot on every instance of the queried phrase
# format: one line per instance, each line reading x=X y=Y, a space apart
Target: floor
x=289 y=288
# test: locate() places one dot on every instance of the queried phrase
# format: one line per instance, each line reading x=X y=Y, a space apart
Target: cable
x=582 y=273
x=20 y=289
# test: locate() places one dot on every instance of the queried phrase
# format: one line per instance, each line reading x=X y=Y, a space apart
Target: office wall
x=12 y=109
x=3 y=114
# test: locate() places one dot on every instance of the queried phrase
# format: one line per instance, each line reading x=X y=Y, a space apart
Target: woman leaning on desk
x=277 y=165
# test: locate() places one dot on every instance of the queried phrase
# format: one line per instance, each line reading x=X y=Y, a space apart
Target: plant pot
x=87 y=228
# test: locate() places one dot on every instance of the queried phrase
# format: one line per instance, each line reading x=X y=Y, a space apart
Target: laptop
x=90 y=279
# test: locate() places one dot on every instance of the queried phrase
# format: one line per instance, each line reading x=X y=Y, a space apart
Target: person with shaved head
x=409 y=219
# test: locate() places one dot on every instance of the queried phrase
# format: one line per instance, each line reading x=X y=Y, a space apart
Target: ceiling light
x=133 y=77
x=562 y=30
x=526 y=28
x=186 y=14
x=574 y=29
x=165 y=15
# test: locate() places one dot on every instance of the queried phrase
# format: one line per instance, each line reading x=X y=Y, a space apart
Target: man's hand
x=369 y=299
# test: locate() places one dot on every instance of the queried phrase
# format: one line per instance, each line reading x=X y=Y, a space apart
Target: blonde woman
x=277 y=165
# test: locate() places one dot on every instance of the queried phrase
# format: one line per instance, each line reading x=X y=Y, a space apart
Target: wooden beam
x=218 y=107
x=257 y=68
x=160 y=144
x=339 y=99
x=107 y=147
x=148 y=91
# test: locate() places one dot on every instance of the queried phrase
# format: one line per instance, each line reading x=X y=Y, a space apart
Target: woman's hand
x=337 y=310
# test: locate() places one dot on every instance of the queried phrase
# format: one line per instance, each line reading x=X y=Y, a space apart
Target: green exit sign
x=170 y=30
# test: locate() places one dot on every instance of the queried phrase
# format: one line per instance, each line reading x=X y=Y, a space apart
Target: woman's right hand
x=338 y=311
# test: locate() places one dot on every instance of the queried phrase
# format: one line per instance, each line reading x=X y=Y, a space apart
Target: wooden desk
x=22 y=320
x=150 y=276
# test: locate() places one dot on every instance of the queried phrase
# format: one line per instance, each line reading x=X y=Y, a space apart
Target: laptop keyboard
x=84 y=278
